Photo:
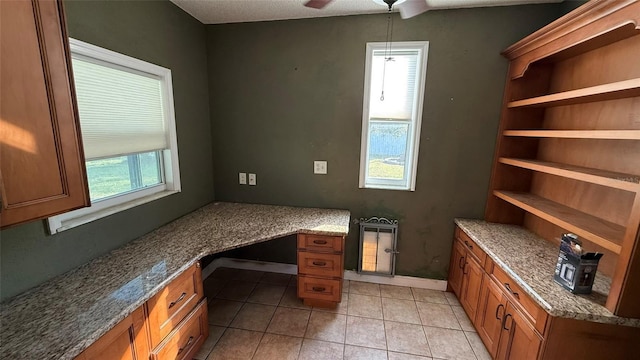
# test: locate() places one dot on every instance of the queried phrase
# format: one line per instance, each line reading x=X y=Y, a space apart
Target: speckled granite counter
x=531 y=261
x=62 y=317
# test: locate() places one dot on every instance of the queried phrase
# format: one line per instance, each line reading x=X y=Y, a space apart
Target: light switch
x=320 y=167
x=242 y=178
x=252 y=179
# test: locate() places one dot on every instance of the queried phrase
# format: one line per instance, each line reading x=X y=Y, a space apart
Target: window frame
x=414 y=125
x=169 y=166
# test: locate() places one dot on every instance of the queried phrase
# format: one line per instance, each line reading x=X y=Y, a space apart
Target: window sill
x=57 y=225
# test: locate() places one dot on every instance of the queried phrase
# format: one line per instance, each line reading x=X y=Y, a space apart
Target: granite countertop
x=531 y=260
x=62 y=317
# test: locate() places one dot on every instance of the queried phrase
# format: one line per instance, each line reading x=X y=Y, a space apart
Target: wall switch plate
x=252 y=179
x=320 y=167
x=242 y=178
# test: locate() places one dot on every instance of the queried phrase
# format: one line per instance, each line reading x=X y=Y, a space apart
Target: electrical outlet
x=320 y=167
x=252 y=179
x=242 y=178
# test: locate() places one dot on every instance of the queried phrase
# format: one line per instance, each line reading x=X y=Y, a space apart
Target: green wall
x=285 y=93
x=154 y=31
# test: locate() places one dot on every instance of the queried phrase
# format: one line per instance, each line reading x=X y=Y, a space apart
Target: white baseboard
x=292 y=269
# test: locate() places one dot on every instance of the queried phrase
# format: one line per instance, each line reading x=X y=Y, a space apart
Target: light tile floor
x=257 y=315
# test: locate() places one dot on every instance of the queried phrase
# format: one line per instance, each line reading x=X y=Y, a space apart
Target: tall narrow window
x=392 y=113
x=125 y=106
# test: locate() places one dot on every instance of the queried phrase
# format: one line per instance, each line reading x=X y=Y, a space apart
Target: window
x=127 y=122
x=392 y=114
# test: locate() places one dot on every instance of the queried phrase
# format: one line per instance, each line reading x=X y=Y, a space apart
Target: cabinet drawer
x=320 y=243
x=471 y=246
x=167 y=308
x=186 y=339
x=532 y=311
x=329 y=265
x=319 y=289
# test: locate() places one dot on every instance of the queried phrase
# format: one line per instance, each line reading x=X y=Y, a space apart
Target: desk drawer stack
x=320 y=269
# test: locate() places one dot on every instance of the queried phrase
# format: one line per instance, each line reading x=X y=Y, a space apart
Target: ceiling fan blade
x=317 y=4
x=411 y=8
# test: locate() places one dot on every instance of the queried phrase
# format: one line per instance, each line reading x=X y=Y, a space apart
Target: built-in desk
x=62 y=317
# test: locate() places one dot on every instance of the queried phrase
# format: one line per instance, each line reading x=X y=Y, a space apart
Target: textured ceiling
x=233 y=11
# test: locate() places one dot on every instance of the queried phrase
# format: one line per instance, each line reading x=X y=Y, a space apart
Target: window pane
x=121 y=174
x=396 y=76
x=387 y=150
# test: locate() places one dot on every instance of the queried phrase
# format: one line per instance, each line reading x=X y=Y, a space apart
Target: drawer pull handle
x=468 y=245
x=319 y=263
x=515 y=294
x=320 y=242
x=504 y=322
x=464 y=268
x=498 y=311
x=177 y=300
x=318 y=288
x=185 y=345
x=461 y=262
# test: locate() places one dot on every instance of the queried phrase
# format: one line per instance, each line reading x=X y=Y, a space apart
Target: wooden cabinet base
x=320 y=269
x=185 y=340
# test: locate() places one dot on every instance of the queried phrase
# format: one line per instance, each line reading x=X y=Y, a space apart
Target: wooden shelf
x=617 y=90
x=577 y=134
x=611 y=179
x=598 y=231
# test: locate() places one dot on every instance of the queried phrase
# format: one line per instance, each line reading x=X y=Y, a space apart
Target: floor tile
x=364 y=305
x=291 y=322
x=267 y=294
x=400 y=310
x=452 y=299
x=463 y=319
x=326 y=326
x=362 y=353
x=320 y=350
x=396 y=292
x=406 y=338
x=477 y=346
x=221 y=312
x=341 y=308
x=215 y=332
x=236 y=344
x=254 y=317
x=224 y=273
x=345 y=286
x=439 y=315
x=236 y=290
x=212 y=286
x=427 y=295
x=275 y=279
x=401 y=356
x=290 y=299
x=448 y=344
x=278 y=347
x=365 y=332
x=247 y=275
x=364 y=288
x=293 y=281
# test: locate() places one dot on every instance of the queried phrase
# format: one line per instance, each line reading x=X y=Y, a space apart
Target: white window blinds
x=121 y=110
x=399 y=80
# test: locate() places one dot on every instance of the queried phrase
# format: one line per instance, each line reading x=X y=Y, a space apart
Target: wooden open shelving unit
x=568 y=149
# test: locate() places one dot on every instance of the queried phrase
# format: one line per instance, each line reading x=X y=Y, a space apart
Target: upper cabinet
x=568 y=150
x=42 y=169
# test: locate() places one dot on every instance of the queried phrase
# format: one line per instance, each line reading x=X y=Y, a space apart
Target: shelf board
x=611 y=179
x=598 y=231
x=612 y=91
x=577 y=134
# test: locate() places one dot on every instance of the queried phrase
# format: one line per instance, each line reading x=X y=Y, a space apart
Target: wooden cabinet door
x=126 y=341
x=491 y=311
x=519 y=339
x=42 y=170
x=455 y=267
x=471 y=286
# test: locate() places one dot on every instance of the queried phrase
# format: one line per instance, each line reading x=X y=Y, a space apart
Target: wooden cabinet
x=170 y=325
x=518 y=339
x=42 y=170
x=491 y=312
x=126 y=341
x=466 y=272
x=568 y=150
x=320 y=269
